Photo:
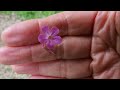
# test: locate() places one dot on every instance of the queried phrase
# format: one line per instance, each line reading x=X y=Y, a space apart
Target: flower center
x=50 y=37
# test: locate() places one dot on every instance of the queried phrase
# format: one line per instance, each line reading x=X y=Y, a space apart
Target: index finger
x=69 y=23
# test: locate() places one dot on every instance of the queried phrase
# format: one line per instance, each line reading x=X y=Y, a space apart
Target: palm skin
x=90 y=46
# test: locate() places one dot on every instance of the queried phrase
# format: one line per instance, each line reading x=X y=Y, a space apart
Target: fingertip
x=4 y=34
x=21 y=33
x=2 y=54
x=8 y=36
x=13 y=68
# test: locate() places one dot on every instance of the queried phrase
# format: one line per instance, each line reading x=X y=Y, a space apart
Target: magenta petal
x=57 y=40
x=42 y=38
x=45 y=30
x=55 y=31
x=50 y=44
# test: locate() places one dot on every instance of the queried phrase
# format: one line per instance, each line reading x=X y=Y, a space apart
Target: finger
x=70 y=48
x=61 y=68
x=43 y=77
x=46 y=77
x=69 y=23
x=14 y=55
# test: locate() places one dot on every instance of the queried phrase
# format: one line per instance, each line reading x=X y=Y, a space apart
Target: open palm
x=90 y=46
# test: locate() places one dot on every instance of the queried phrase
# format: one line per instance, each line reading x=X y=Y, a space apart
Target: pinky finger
x=47 y=77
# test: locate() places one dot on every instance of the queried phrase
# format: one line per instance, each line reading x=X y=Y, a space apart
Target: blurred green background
x=7 y=18
x=30 y=14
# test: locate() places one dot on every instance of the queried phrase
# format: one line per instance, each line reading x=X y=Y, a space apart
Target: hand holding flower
x=87 y=46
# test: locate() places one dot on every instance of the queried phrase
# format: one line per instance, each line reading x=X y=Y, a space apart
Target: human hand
x=89 y=48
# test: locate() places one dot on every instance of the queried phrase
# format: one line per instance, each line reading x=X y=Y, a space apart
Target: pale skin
x=90 y=46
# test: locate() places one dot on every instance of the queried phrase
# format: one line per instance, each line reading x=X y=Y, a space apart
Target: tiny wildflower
x=49 y=37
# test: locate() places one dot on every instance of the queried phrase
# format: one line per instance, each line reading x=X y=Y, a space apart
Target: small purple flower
x=49 y=38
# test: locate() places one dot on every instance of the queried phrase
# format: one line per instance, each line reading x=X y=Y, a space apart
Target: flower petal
x=42 y=38
x=54 y=31
x=45 y=30
x=57 y=40
x=50 y=44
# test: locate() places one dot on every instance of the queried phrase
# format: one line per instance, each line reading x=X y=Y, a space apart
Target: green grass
x=30 y=14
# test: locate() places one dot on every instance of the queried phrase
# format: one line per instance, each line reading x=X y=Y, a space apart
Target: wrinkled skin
x=90 y=47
